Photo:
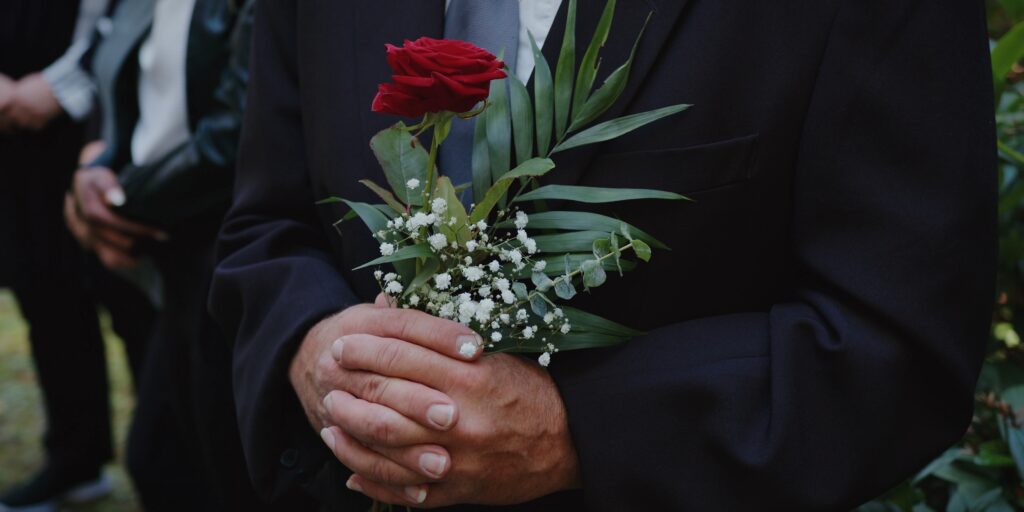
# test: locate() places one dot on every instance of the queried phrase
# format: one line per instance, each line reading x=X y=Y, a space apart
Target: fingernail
x=327 y=402
x=115 y=197
x=351 y=484
x=328 y=438
x=469 y=345
x=416 y=494
x=441 y=415
x=433 y=464
x=337 y=347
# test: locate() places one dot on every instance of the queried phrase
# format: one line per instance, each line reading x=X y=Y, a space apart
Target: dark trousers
x=57 y=289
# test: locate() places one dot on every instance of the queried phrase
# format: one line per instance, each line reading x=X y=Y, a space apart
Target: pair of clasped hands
x=422 y=424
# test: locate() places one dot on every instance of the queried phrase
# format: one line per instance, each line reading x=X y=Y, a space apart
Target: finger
x=426 y=406
x=444 y=336
x=75 y=224
x=382 y=301
x=396 y=358
x=411 y=496
x=373 y=424
x=409 y=466
x=96 y=211
x=114 y=259
x=113 y=238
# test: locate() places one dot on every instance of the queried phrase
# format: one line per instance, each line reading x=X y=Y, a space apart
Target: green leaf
x=564 y=342
x=642 y=250
x=583 y=321
x=371 y=216
x=617 y=127
x=602 y=246
x=1008 y=51
x=581 y=221
x=520 y=290
x=405 y=253
x=543 y=96
x=539 y=305
x=556 y=265
x=522 y=120
x=576 y=241
x=499 y=130
x=589 y=64
x=460 y=232
x=384 y=194
x=609 y=92
x=402 y=160
x=564 y=289
x=1015 y=438
x=534 y=167
x=481 y=160
x=594 y=274
x=624 y=229
x=541 y=281
x=616 y=251
x=595 y=194
x=564 y=73
x=425 y=274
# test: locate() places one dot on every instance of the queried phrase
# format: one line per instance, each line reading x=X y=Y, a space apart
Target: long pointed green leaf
x=425 y=274
x=499 y=132
x=617 y=127
x=402 y=160
x=564 y=73
x=532 y=167
x=405 y=253
x=588 y=66
x=385 y=195
x=522 y=119
x=575 y=241
x=460 y=232
x=595 y=194
x=543 y=97
x=590 y=322
x=1008 y=51
x=481 y=159
x=606 y=95
x=371 y=216
x=582 y=221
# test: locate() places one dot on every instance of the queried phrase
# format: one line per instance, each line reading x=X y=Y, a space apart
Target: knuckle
x=379 y=430
x=375 y=388
x=387 y=355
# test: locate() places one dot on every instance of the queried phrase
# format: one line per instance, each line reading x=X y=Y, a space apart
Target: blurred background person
x=42 y=106
x=171 y=77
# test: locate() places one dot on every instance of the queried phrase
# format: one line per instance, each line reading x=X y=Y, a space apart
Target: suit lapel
x=630 y=16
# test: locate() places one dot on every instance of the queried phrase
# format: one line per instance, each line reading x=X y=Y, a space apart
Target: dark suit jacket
x=814 y=335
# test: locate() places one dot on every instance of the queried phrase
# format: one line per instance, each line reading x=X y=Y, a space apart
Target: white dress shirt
x=163 y=104
x=535 y=17
x=71 y=85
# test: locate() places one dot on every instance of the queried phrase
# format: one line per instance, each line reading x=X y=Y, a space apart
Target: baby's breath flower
x=439 y=206
x=495 y=336
x=549 y=317
x=390 y=276
x=528 y=332
x=508 y=297
x=540 y=266
x=443 y=281
x=387 y=249
x=412 y=184
x=531 y=245
x=438 y=241
x=544 y=359
x=504 y=318
x=484 y=237
x=481 y=226
x=447 y=310
x=565 y=328
x=473 y=273
x=393 y=288
x=484 y=291
x=414 y=300
x=471 y=245
x=378 y=274
x=494 y=266
x=399 y=222
x=468 y=260
x=559 y=313
x=521 y=220
x=522 y=314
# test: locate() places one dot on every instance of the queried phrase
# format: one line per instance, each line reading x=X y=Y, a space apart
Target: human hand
x=32 y=105
x=6 y=93
x=91 y=151
x=88 y=213
x=510 y=444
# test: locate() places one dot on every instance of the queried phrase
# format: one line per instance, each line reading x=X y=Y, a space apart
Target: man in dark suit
x=813 y=338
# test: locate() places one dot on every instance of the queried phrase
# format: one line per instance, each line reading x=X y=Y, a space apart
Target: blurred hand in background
x=32 y=104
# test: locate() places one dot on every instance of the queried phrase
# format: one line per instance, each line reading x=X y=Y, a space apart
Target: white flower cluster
x=477 y=282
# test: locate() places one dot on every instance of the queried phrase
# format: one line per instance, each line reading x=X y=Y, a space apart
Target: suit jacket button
x=290 y=458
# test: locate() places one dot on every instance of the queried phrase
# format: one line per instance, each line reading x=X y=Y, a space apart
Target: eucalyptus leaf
x=520 y=290
x=403 y=159
x=385 y=195
x=602 y=246
x=541 y=281
x=539 y=305
x=617 y=127
x=588 y=66
x=564 y=72
x=522 y=119
x=564 y=289
x=543 y=97
x=556 y=265
x=405 y=253
x=642 y=250
x=595 y=194
x=594 y=274
x=578 y=221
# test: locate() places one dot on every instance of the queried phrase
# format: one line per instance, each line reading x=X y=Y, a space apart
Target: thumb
x=382 y=301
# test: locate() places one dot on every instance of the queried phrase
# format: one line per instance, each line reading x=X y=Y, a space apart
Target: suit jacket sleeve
x=194 y=181
x=275 y=278
x=865 y=369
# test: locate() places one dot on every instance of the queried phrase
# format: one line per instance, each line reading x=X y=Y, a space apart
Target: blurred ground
x=21 y=412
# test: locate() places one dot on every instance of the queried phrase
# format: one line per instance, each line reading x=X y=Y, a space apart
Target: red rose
x=432 y=75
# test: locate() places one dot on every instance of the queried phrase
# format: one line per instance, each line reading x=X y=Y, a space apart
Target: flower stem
x=428 y=191
x=570 y=275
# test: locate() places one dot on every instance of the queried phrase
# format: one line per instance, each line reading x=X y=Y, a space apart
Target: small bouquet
x=502 y=270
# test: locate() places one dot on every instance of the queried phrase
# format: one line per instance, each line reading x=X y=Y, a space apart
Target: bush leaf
x=543 y=96
x=588 y=66
x=617 y=127
x=564 y=72
x=595 y=194
x=402 y=160
x=533 y=167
